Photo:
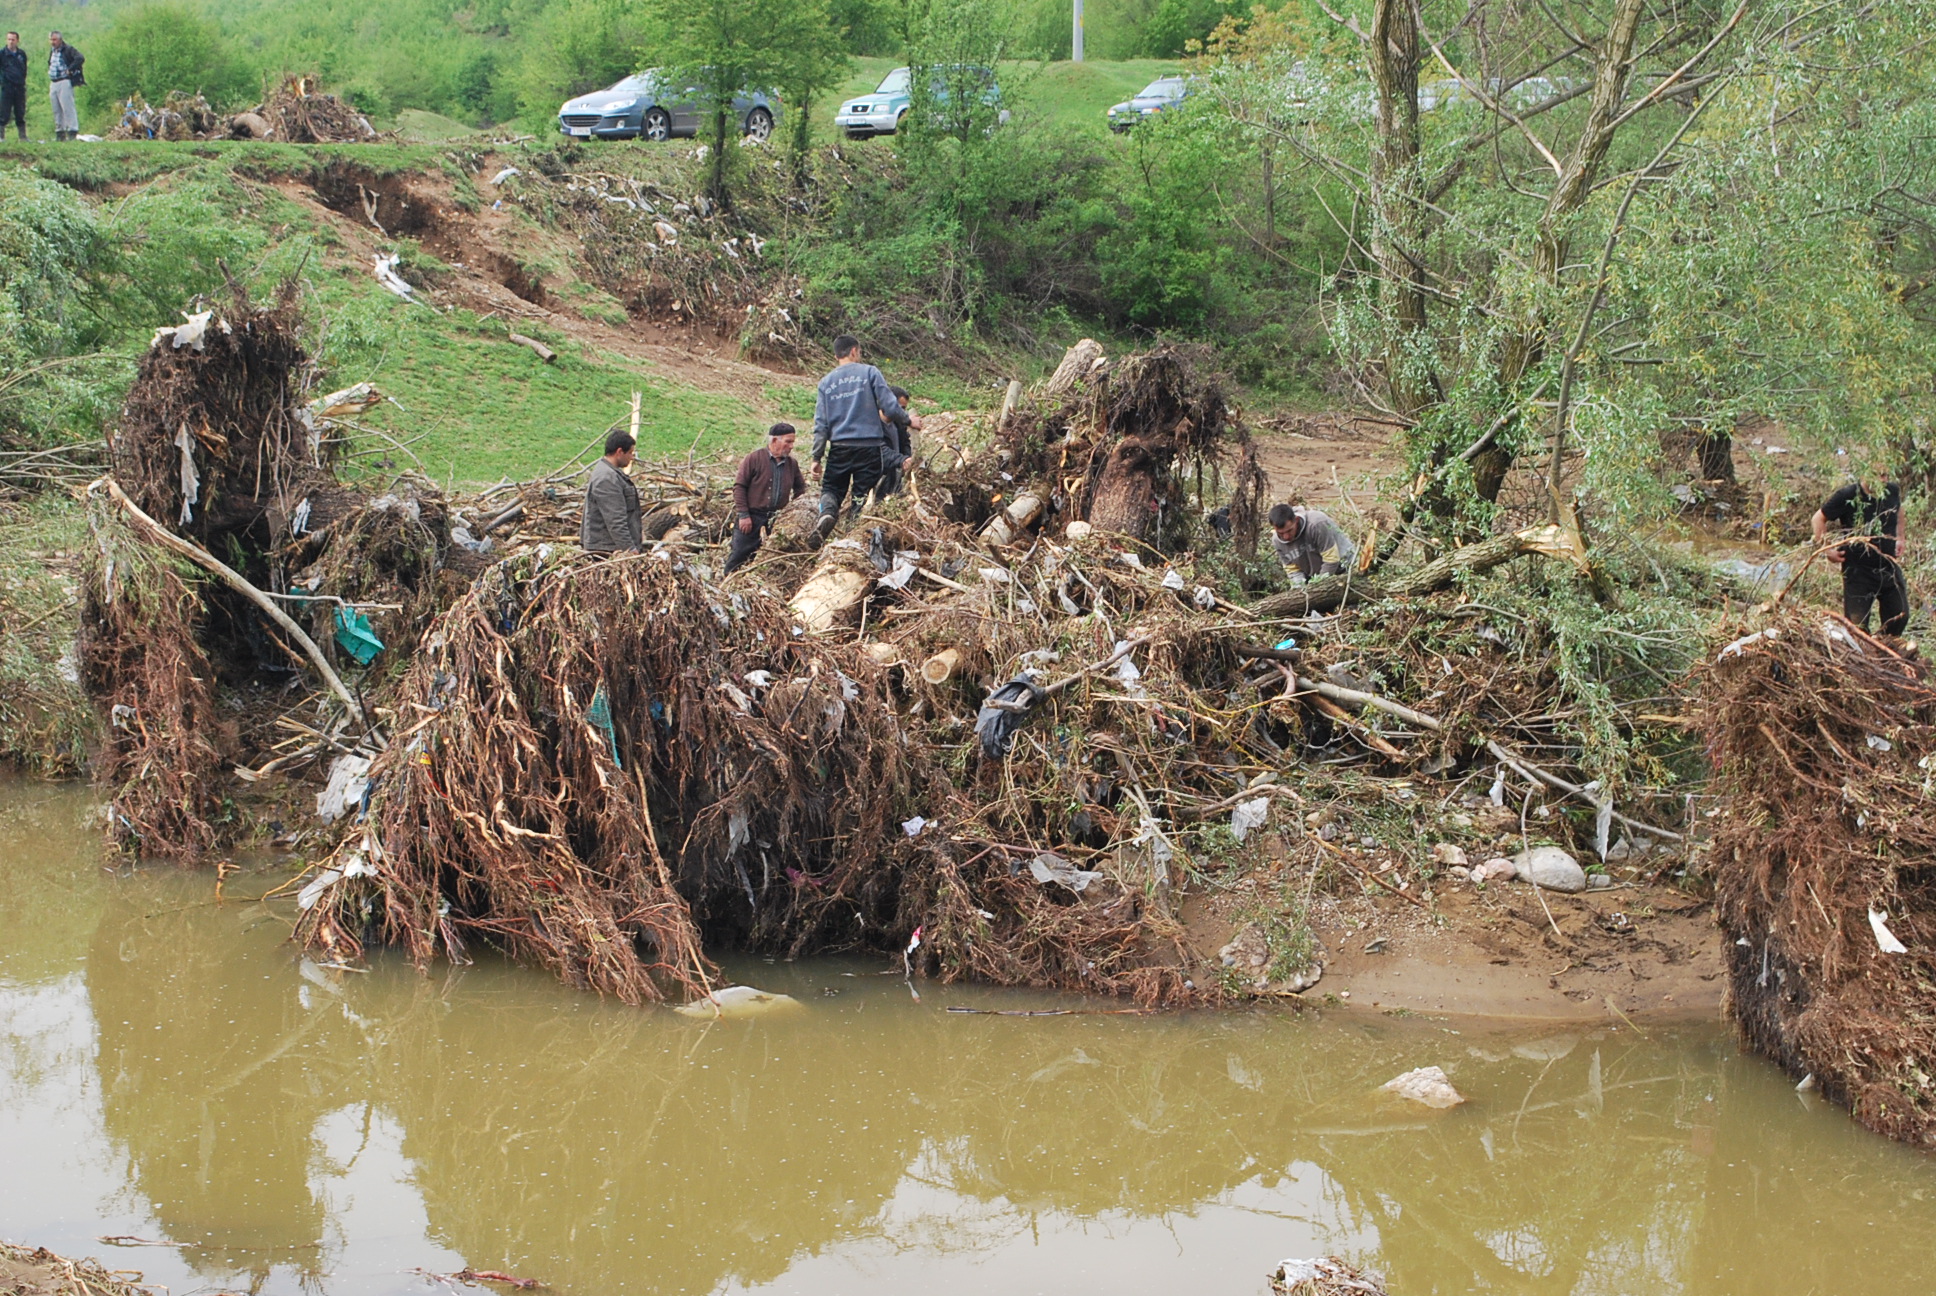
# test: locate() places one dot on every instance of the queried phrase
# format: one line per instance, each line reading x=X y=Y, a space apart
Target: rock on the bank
x=1551 y=868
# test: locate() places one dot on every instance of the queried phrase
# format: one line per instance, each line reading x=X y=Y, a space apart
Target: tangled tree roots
x=612 y=764
x=141 y=660
x=213 y=437
x=1823 y=742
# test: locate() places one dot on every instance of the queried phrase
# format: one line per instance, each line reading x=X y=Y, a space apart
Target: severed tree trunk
x=1716 y=450
x=1079 y=364
x=1124 y=499
x=1329 y=593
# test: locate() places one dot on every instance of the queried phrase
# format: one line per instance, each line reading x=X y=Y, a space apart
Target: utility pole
x=1078 y=32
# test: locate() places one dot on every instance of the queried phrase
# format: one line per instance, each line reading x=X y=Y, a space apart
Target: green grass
x=476 y=407
x=423 y=127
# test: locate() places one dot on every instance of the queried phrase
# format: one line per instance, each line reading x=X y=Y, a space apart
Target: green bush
x=159 y=47
x=51 y=250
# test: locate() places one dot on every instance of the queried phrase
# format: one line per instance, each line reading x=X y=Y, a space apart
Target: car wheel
x=657 y=125
x=759 y=125
x=899 y=118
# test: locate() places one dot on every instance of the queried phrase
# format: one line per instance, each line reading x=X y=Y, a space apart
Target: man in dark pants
x=13 y=86
x=851 y=413
x=899 y=449
x=768 y=480
x=1871 y=558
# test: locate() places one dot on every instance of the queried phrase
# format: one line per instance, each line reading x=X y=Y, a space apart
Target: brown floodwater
x=173 y=1072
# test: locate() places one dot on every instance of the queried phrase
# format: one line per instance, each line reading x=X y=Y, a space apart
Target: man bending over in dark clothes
x=1871 y=556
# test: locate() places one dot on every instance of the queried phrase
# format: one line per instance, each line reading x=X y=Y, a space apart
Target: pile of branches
x=214 y=437
x=222 y=527
x=179 y=116
x=992 y=729
x=1823 y=744
x=296 y=112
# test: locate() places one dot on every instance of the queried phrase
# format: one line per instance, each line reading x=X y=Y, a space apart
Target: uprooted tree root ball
x=615 y=766
x=1823 y=743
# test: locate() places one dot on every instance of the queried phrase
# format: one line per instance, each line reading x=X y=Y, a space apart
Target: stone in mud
x=1446 y=855
x=1551 y=868
x=1496 y=870
x=1426 y=1086
x=1249 y=954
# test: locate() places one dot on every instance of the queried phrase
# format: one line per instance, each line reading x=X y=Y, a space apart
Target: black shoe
x=822 y=529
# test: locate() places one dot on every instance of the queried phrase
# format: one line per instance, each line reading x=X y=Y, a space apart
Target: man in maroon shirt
x=767 y=481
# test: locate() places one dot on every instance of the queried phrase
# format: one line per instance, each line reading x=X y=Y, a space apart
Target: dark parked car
x=1158 y=96
x=642 y=106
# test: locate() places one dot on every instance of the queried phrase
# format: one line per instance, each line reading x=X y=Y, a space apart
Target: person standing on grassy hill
x=1309 y=543
x=13 y=86
x=768 y=480
x=63 y=74
x=612 y=517
x=852 y=411
x=1871 y=557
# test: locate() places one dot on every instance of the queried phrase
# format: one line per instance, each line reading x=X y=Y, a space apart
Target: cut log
x=1329 y=593
x=940 y=668
x=1125 y=493
x=1010 y=399
x=1013 y=522
x=1083 y=362
x=831 y=595
x=543 y=352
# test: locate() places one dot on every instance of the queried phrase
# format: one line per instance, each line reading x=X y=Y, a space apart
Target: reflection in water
x=305 y=1127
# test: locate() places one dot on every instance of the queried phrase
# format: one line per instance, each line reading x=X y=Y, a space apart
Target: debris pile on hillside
x=223 y=498
x=1823 y=745
x=295 y=113
x=179 y=116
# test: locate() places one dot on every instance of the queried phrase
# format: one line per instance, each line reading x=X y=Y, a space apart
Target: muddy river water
x=171 y=1072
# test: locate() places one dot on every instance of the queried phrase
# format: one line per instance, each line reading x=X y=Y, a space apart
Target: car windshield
x=896 y=82
x=636 y=84
x=1163 y=88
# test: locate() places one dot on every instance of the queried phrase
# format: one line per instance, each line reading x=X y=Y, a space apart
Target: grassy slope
x=470 y=405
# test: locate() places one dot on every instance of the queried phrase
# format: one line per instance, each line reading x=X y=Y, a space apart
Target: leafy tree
x=1176 y=23
x=156 y=48
x=725 y=47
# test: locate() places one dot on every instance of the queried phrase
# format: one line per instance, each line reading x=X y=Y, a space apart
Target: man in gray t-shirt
x=1309 y=543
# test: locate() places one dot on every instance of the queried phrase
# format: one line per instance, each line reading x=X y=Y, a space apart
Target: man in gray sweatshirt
x=1309 y=544
x=851 y=413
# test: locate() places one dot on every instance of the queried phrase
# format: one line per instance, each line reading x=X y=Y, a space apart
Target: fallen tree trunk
x=1329 y=593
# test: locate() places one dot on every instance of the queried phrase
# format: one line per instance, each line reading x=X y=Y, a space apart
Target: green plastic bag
x=355 y=637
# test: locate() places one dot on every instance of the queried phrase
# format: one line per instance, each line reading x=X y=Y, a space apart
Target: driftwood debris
x=168 y=540
x=538 y=348
x=1329 y=593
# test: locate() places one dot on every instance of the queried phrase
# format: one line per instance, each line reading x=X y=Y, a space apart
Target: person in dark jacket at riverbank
x=1871 y=557
x=768 y=480
x=848 y=430
x=13 y=86
x=612 y=520
x=63 y=75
